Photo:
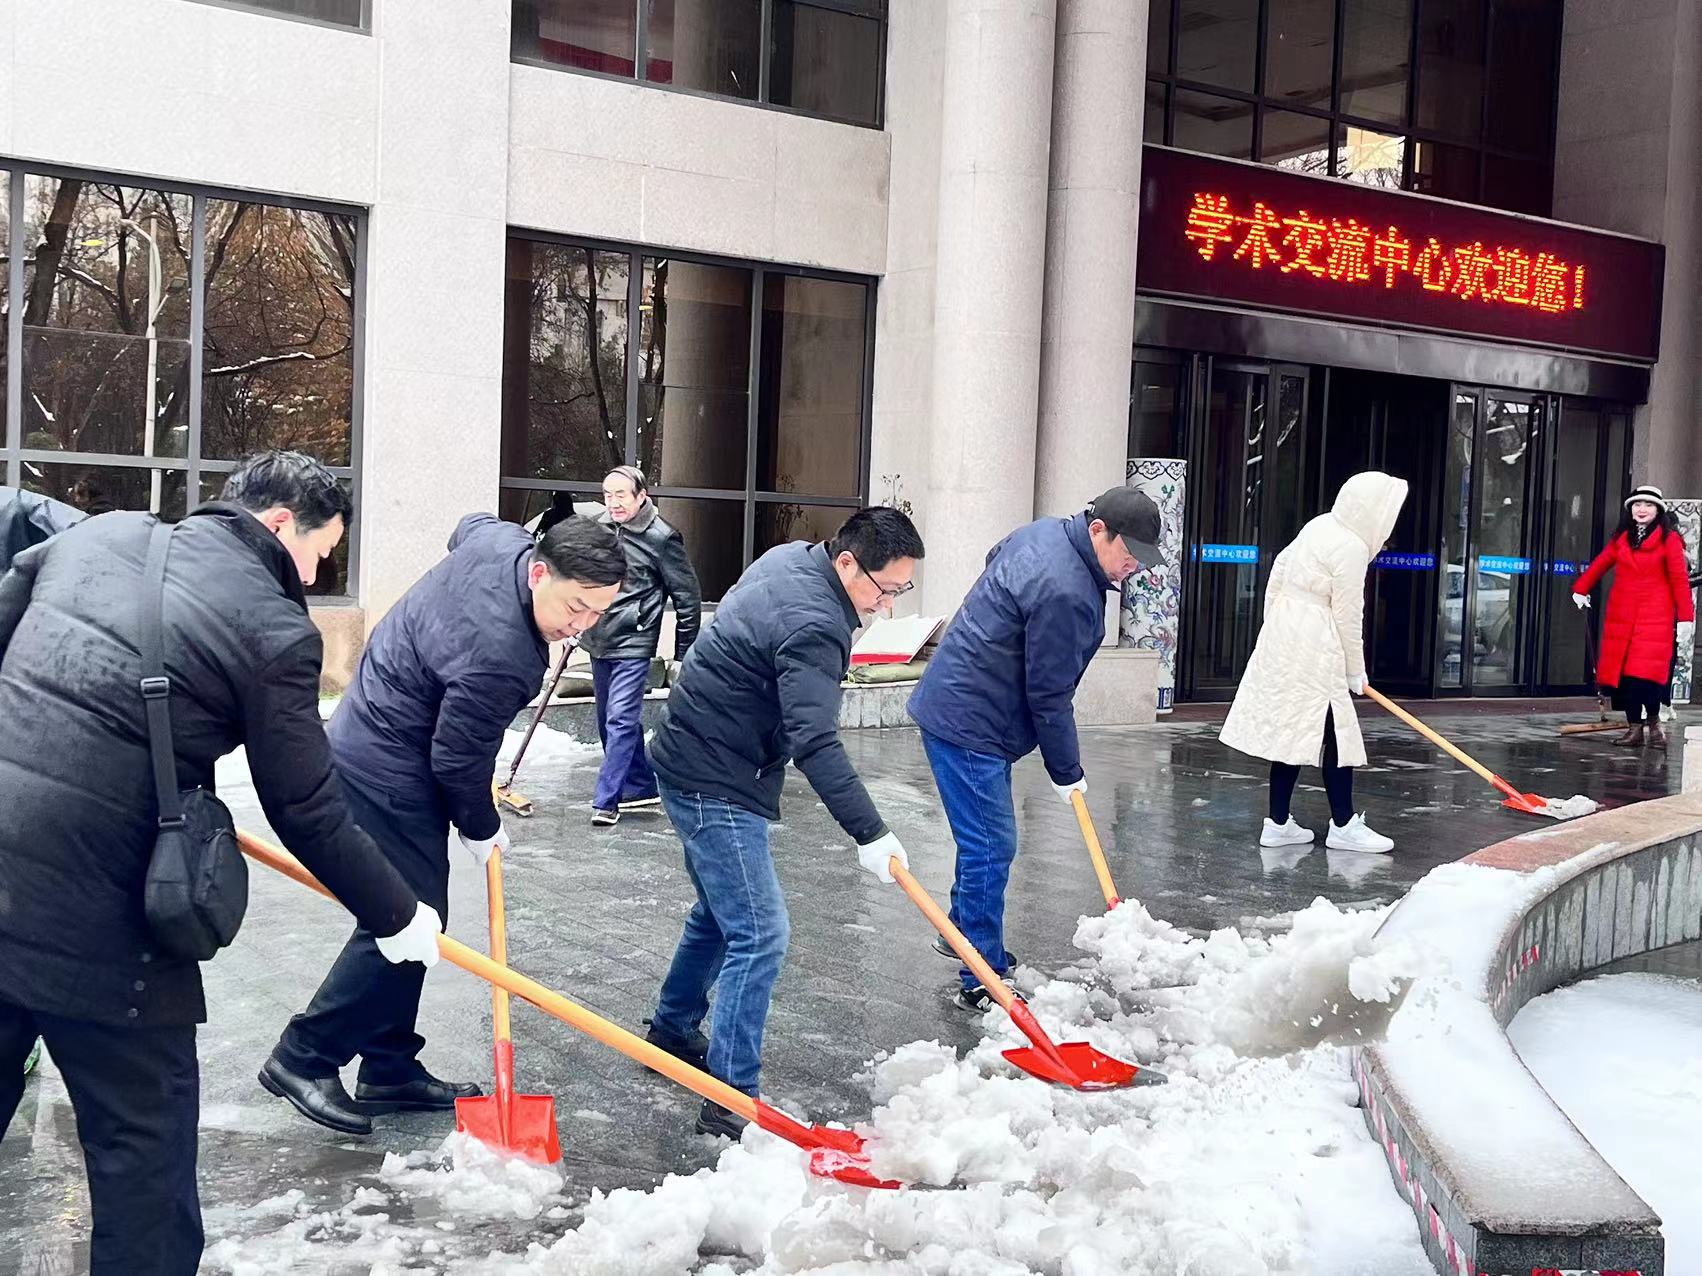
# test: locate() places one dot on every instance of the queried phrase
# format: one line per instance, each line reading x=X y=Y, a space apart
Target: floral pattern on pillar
x=1152 y=600
x=1688 y=514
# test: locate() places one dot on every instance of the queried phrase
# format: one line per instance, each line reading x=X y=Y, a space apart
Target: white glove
x=875 y=855
x=481 y=850
x=1580 y=601
x=1356 y=684
x=1064 y=790
x=417 y=941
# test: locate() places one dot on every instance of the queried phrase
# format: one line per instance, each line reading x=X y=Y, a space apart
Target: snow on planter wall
x=1500 y=1182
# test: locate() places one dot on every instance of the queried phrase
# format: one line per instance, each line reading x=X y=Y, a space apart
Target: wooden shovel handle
x=1451 y=750
x=1090 y=835
x=551 y=1003
x=997 y=988
x=499 y=940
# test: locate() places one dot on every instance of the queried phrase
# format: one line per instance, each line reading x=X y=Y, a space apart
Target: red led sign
x=1246 y=234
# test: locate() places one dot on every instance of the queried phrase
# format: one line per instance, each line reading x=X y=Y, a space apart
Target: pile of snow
x=1632 y=1091
x=1570 y=808
x=1252 y=1159
x=548 y=747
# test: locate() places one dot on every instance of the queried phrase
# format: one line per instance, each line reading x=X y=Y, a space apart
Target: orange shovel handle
x=1090 y=835
x=553 y=1003
x=996 y=987
x=1452 y=750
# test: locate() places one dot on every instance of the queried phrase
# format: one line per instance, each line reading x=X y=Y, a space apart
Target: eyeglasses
x=887 y=591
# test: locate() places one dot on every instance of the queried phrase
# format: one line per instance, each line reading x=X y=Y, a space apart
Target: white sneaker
x=1357 y=835
x=1290 y=834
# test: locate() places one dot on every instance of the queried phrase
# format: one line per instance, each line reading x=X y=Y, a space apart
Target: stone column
x=1088 y=319
x=994 y=138
x=432 y=425
x=1626 y=158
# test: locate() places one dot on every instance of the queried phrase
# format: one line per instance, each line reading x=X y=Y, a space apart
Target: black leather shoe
x=693 y=1050
x=717 y=1121
x=423 y=1094
x=319 y=1099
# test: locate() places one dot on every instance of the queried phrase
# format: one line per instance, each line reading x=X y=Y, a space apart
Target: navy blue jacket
x=1004 y=678
x=443 y=675
x=761 y=685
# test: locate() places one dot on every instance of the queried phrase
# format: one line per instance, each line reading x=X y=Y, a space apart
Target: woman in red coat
x=1650 y=595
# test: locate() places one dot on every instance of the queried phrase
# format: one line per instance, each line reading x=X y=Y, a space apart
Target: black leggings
x=1642 y=704
x=1338 y=781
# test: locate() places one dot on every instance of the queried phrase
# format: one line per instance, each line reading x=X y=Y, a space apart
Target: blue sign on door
x=1228 y=553
x=1503 y=563
x=1402 y=562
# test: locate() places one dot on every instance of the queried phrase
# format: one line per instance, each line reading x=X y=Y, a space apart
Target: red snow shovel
x=524 y=1124
x=1101 y=869
x=1529 y=803
x=836 y=1154
x=1075 y=1063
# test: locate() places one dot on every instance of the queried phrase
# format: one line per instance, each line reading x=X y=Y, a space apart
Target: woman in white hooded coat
x=1293 y=706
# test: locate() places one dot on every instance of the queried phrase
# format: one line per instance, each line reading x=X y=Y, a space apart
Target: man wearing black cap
x=1003 y=683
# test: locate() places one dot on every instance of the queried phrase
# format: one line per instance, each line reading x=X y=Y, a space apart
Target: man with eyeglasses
x=761 y=687
x=1003 y=682
x=415 y=741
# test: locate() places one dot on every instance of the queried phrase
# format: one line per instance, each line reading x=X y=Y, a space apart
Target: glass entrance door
x=1587 y=483
x=1488 y=535
x=1246 y=500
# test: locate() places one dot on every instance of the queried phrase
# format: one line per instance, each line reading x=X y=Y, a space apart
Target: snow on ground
x=1253 y=1159
x=1622 y=1056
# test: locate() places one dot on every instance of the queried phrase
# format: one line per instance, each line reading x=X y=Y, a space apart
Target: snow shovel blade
x=833 y=1154
x=532 y=1125
x=519 y=803
x=1088 y=1068
x=1529 y=803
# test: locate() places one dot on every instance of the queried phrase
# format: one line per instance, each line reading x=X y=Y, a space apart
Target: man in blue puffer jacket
x=1003 y=683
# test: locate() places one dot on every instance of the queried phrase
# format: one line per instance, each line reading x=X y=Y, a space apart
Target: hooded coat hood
x=1368 y=505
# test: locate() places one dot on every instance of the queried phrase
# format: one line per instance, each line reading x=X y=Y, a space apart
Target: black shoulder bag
x=197 y=885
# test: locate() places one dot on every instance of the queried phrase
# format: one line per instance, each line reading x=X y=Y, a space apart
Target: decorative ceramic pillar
x=1152 y=600
x=1688 y=513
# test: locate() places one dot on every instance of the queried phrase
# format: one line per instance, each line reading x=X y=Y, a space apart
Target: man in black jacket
x=760 y=688
x=78 y=817
x=415 y=741
x=625 y=639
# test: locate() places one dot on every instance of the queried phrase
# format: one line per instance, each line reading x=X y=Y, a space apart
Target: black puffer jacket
x=763 y=687
x=656 y=567
x=443 y=675
x=27 y=519
x=77 y=807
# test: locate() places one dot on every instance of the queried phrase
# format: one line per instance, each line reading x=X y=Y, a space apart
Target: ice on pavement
x=1252 y=1159
x=1633 y=1091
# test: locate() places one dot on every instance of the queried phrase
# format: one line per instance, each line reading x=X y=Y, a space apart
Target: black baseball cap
x=1131 y=516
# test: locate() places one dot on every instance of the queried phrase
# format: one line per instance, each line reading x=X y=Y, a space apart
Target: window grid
x=751 y=498
x=1166 y=21
x=192 y=465
x=873 y=10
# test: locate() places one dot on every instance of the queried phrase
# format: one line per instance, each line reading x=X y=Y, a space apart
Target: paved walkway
x=595 y=913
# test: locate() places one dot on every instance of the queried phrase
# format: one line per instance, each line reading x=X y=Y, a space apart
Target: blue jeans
x=626 y=774
x=735 y=937
x=975 y=789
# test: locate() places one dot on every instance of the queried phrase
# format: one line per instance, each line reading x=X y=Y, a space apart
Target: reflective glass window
x=1376 y=35
x=1374 y=159
x=589 y=35
x=1300 y=47
x=814 y=365
x=712 y=45
x=1522 y=39
x=1158 y=37
x=826 y=62
x=1449 y=172
x=1450 y=67
x=1219 y=43
x=1299 y=143
x=1213 y=125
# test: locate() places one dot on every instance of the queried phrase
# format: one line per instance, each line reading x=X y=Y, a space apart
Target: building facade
x=970 y=257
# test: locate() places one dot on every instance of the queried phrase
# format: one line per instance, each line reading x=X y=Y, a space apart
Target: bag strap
x=155 y=685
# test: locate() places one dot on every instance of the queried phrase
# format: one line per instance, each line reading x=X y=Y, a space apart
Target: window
x=742 y=391
x=1448 y=97
x=336 y=13
x=166 y=334
x=817 y=57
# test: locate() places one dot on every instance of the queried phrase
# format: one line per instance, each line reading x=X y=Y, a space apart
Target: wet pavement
x=595 y=913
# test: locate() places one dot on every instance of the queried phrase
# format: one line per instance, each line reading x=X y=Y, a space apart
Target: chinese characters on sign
x=1347 y=251
x=1227 y=553
x=1251 y=237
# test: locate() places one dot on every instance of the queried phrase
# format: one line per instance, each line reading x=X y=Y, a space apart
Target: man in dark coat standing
x=760 y=688
x=415 y=740
x=625 y=639
x=78 y=817
x=1003 y=682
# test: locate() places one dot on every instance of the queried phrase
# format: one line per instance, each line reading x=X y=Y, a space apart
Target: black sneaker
x=641 y=803
x=946 y=950
x=716 y=1121
x=693 y=1050
x=976 y=998
x=601 y=818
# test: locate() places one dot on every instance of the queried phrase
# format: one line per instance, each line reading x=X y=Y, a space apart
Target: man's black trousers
x=137 y=1095
x=367 y=1006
